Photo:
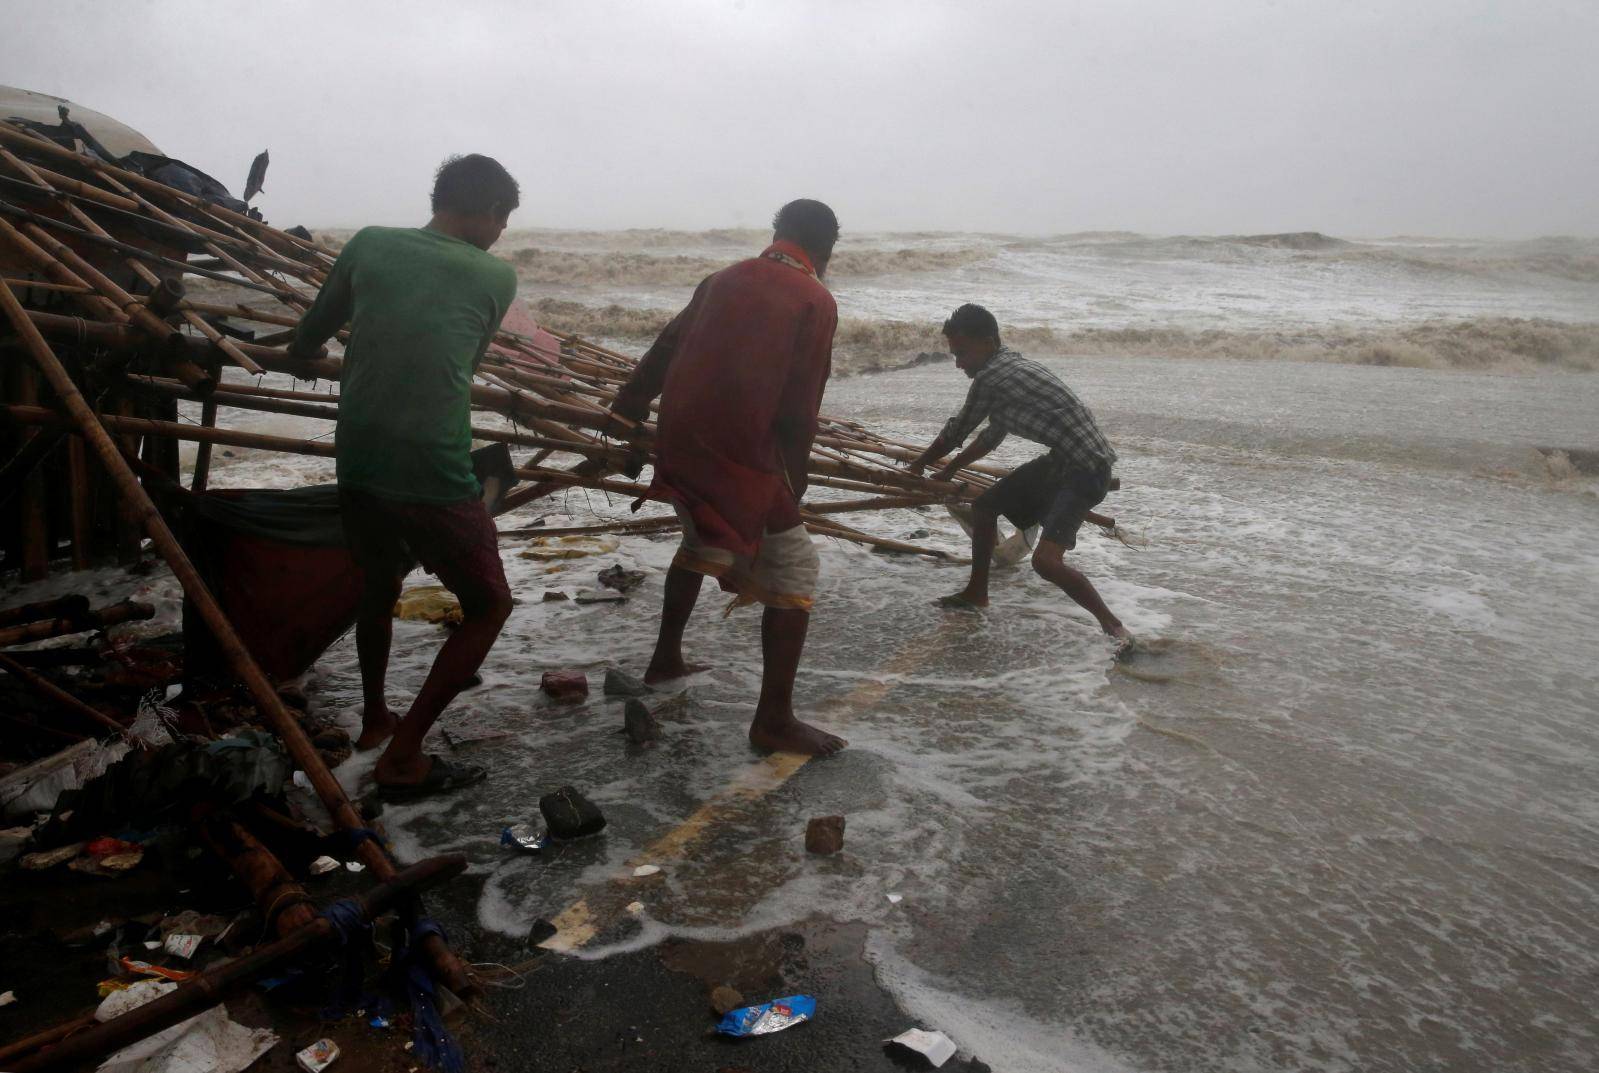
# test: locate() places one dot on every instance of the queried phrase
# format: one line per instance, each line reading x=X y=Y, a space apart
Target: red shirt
x=740 y=373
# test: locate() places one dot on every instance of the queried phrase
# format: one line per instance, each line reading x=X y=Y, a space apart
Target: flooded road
x=1337 y=814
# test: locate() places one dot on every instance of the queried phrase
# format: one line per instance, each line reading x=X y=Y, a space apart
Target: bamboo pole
x=72 y=606
x=284 y=904
x=202 y=453
x=58 y=696
x=79 y=476
x=45 y=629
x=449 y=968
x=138 y=268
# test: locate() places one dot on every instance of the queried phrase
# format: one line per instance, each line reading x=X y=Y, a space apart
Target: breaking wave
x=549 y=265
x=1483 y=343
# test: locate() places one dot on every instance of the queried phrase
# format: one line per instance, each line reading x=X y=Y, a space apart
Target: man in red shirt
x=740 y=374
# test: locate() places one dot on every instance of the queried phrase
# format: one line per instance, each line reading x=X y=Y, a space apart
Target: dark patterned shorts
x=457 y=542
x=1042 y=493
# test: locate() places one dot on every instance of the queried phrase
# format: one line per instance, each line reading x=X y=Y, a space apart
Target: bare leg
x=1049 y=561
x=774 y=726
x=462 y=654
x=374 y=629
x=985 y=530
x=682 y=592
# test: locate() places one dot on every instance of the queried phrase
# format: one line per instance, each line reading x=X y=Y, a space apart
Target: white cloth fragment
x=936 y=1047
x=209 y=1042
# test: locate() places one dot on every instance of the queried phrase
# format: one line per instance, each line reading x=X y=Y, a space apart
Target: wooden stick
x=58 y=696
x=44 y=629
x=72 y=606
x=202 y=453
x=451 y=971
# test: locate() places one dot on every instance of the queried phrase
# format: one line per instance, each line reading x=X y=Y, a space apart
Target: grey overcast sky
x=1447 y=117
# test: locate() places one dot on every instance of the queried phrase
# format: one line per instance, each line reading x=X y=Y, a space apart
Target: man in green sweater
x=422 y=305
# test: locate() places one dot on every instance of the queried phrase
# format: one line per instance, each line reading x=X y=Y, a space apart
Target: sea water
x=1335 y=813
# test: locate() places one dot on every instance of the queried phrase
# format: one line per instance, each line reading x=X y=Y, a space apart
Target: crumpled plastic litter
x=768 y=1017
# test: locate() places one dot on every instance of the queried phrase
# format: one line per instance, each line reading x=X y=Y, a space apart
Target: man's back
x=750 y=366
x=422 y=307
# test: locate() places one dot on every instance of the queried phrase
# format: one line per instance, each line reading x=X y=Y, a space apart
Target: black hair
x=973 y=322
x=475 y=185
x=809 y=223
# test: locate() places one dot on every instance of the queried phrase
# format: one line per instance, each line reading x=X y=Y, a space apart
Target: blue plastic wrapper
x=768 y=1017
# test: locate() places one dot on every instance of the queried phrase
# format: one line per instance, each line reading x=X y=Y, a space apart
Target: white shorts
x=782 y=574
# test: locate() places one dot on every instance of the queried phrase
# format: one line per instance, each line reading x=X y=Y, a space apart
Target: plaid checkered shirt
x=1021 y=396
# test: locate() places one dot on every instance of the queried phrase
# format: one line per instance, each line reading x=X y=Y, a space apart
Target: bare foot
x=963 y=601
x=376 y=728
x=400 y=771
x=792 y=736
x=671 y=672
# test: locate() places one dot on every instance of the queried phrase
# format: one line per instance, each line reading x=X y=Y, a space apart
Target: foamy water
x=1339 y=815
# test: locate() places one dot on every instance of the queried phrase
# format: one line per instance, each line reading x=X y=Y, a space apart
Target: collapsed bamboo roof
x=116 y=245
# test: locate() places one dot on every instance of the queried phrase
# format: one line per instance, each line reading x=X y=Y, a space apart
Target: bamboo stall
x=126 y=302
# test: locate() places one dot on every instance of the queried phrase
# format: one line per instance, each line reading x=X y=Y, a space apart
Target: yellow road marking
x=577 y=925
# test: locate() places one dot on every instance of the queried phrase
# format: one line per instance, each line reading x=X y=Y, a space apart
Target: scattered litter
x=639 y=724
x=555 y=596
x=824 y=834
x=323 y=865
x=318 y=1056
x=38 y=862
x=152 y=945
x=120 y=1000
x=379 y=1022
x=895 y=899
x=614 y=577
x=724 y=1000
x=108 y=856
x=354 y=866
x=635 y=908
x=565 y=685
x=183 y=946
x=571 y=815
x=646 y=870
x=7 y=997
x=189 y=922
x=525 y=837
x=108 y=847
x=936 y=1047
x=429 y=603
x=768 y=1017
x=144 y=968
x=621 y=684
x=592 y=596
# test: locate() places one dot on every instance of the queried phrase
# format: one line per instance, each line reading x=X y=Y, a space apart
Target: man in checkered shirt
x=1057 y=490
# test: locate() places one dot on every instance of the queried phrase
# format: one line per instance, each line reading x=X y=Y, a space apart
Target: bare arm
x=331 y=310
x=649 y=377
